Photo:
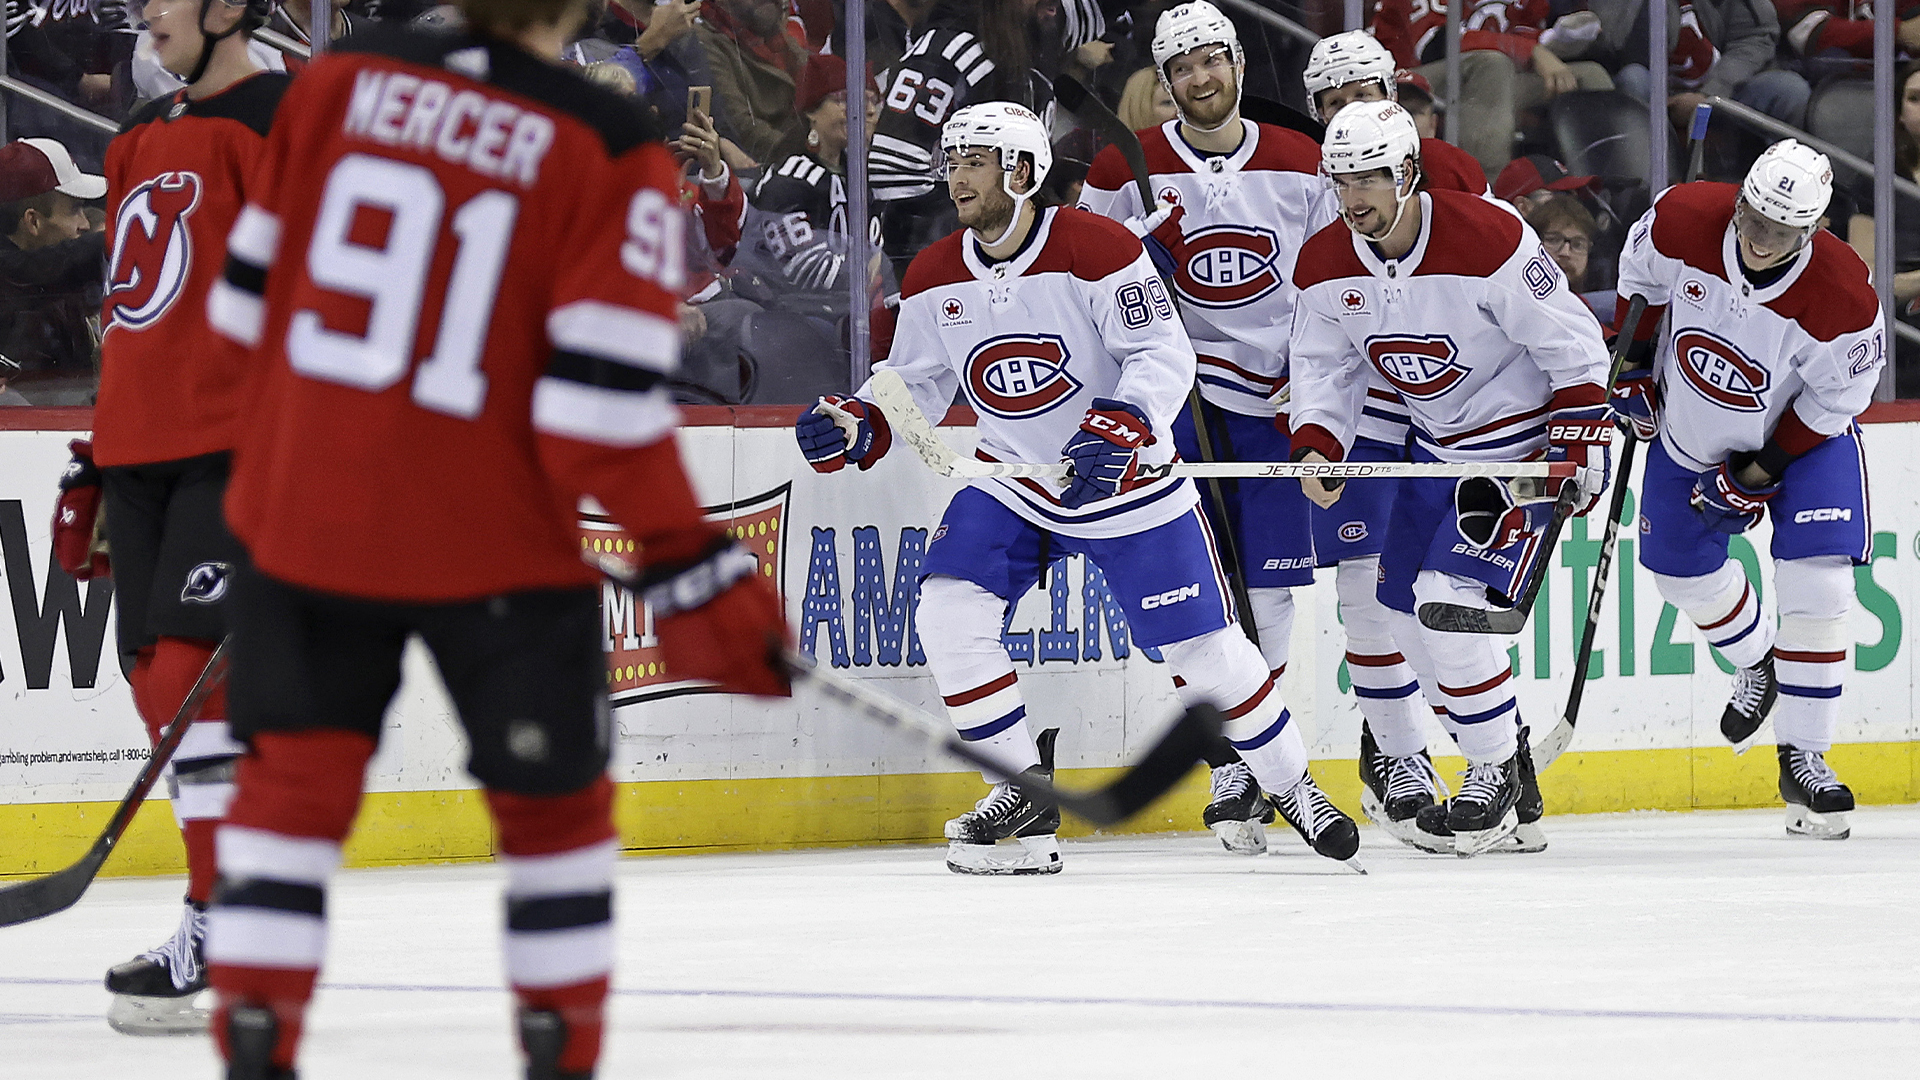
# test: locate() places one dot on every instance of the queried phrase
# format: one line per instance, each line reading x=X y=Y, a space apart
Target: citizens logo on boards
x=152 y=250
x=1224 y=266
x=1419 y=367
x=1718 y=370
x=1170 y=597
x=1018 y=376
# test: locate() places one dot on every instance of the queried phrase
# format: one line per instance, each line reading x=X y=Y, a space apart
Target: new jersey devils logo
x=152 y=249
x=1224 y=266
x=1017 y=376
x=1713 y=366
x=1422 y=368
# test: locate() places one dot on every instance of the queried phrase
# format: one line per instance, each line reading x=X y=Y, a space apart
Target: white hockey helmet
x=1354 y=56
x=1791 y=184
x=1189 y=26
x=1369 y=135
x=1009 y=128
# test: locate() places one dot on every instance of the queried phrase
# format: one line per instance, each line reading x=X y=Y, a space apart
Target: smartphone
x=700 y=98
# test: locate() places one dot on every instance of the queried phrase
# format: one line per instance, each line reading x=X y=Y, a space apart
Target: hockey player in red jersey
x=457 y=273
x=1055 y=326
x=163 y=427
x=1235 y=202
x=1774 y=343
x=1453 y=300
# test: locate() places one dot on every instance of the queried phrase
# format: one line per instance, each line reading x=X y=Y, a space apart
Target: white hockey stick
x=896 y=401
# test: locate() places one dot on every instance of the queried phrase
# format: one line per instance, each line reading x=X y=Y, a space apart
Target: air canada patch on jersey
x=1723 y=375
x=1225 y=266
x=1418 y=367
x=152 y=250
x=1017 y=376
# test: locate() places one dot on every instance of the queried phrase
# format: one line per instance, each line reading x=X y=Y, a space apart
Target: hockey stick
x=43 y=896
x=912 y=426
x=1264 y=111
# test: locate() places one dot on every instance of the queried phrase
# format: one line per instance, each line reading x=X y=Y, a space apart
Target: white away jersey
x=1475 y=328
x=1078 y=314
x=1737 y=357
x=1247 y=214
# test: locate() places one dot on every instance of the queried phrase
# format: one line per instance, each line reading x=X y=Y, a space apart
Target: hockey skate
x=1817 y=802
x=1527 y=837
x=161 y=991
x=1755 y=689
x=1320 y=823
x=1395 y=789
x=1485 y=812
x=1239 y=813
x=543 y=1036
x=251 y=1032
x=1008 y=814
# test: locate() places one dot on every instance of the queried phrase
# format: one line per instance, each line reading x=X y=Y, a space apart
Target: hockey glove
x=1636 y=402
x=78 y=542
x=1161 y=234
x=1105 y=452
x=1491 y=517
x=1582 y=434
x=842 y=429
x=719 y=620
x=1727 y=505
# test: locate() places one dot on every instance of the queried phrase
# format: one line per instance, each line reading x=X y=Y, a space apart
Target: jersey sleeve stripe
x=236 y=313
x=597 y=414
x=597 y=328
x=255 y=237
x=598 y=371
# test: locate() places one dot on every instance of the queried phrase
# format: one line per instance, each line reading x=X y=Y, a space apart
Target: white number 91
x=655 y=248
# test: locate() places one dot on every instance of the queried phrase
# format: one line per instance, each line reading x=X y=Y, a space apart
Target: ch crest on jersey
x=1224 y=266
x=1419 y=367
x=1723 y=375
x=152 y=249
x=1017 y=376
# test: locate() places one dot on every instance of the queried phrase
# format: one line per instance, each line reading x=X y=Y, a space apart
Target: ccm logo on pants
x=1171 y=596
x=1824 y=513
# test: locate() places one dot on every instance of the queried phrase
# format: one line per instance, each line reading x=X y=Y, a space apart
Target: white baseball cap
x=67 y=177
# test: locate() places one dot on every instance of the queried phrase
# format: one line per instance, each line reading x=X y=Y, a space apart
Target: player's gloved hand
x=1491 y=516
x=1582 y=434
x=1105 y=452
x=719 y=620
x=1163 y=236
x=77 y=542
x=1726 y=504
x=842 y=429
x=1163 y=211
x=1636 y=402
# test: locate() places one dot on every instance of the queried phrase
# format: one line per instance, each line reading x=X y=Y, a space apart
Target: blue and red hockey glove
x=1636 y=402
x=1582 y=434
x=1726 y=504
x=842 y=429
x=1105 y=452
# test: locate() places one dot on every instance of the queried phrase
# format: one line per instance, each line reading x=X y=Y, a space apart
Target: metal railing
x=1262 y=13
x=58 y=104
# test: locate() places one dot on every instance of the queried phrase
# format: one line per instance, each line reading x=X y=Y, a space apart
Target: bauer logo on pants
x=206 y=583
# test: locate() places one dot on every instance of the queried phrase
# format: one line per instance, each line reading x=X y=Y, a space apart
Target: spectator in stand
x=1906 y=226
x=1415 y=94
x=69 y=48
x=756 y=57
x=1529 y=181
x=1144 y=102
x=891 y=24
x=1722 y=48
x=52 y=262
x=1506 y=64
x=294 y=18
x=612 y=76
x=1813 y=28
x=1568 y=231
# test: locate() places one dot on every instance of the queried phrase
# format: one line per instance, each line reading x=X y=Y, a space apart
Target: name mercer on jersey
x=466 y=127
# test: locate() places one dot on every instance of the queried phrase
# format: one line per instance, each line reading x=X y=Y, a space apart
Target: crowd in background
x=752 y=95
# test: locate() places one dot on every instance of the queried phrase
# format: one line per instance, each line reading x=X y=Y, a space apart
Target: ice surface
x=1639 y=946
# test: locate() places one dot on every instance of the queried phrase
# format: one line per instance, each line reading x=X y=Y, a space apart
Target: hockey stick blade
x=1165 y=765
x=1551 y=747
x=36 y=899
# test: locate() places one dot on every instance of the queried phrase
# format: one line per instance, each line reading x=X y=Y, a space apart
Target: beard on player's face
x=1207 y=97
x=1369 y=203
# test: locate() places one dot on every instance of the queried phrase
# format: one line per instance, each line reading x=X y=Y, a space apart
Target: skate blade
x=1354 y=865
x=1036 y=855
x=1804 y=822
x=1525 y=839
x=131 y=1015
x=1408 y=833
x=1467 y=844
x=1746 y=744
x=1241 y=837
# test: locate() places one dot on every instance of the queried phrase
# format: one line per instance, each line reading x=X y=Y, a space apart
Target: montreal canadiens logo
x=1419 y=367
x=152 y=249
x=1016 y=376
x=1720 y=372
x=1229 y=265
x=1353 y=531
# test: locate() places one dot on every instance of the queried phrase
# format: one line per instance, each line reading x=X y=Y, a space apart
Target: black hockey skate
x=543 y=1037
x=1485 y=812
x=1008 y=814
x=160 y=991
x=1395 y=789
x=1755 y=689
x=251 y=1032
x=1528 y=809
x=1239 y=813
x=1320 y=823
x=1817 y=802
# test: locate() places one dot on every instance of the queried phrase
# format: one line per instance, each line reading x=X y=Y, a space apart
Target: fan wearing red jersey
x=457 y=274
x=163 y=427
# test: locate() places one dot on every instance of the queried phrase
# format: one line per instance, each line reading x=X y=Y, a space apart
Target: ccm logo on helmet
x=1171 y=596
x=1723 y=376
x=1229 y=265
x=1824 y=513
x=1017 y=376
x=1418 y=367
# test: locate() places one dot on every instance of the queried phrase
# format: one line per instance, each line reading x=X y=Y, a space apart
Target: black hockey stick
x=1264 y=111
x=43 y=896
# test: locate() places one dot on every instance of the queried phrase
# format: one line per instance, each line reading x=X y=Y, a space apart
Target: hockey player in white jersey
x=1774 y=342
x=1055 y=326
x=1452 y=299
x=1235 y=200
